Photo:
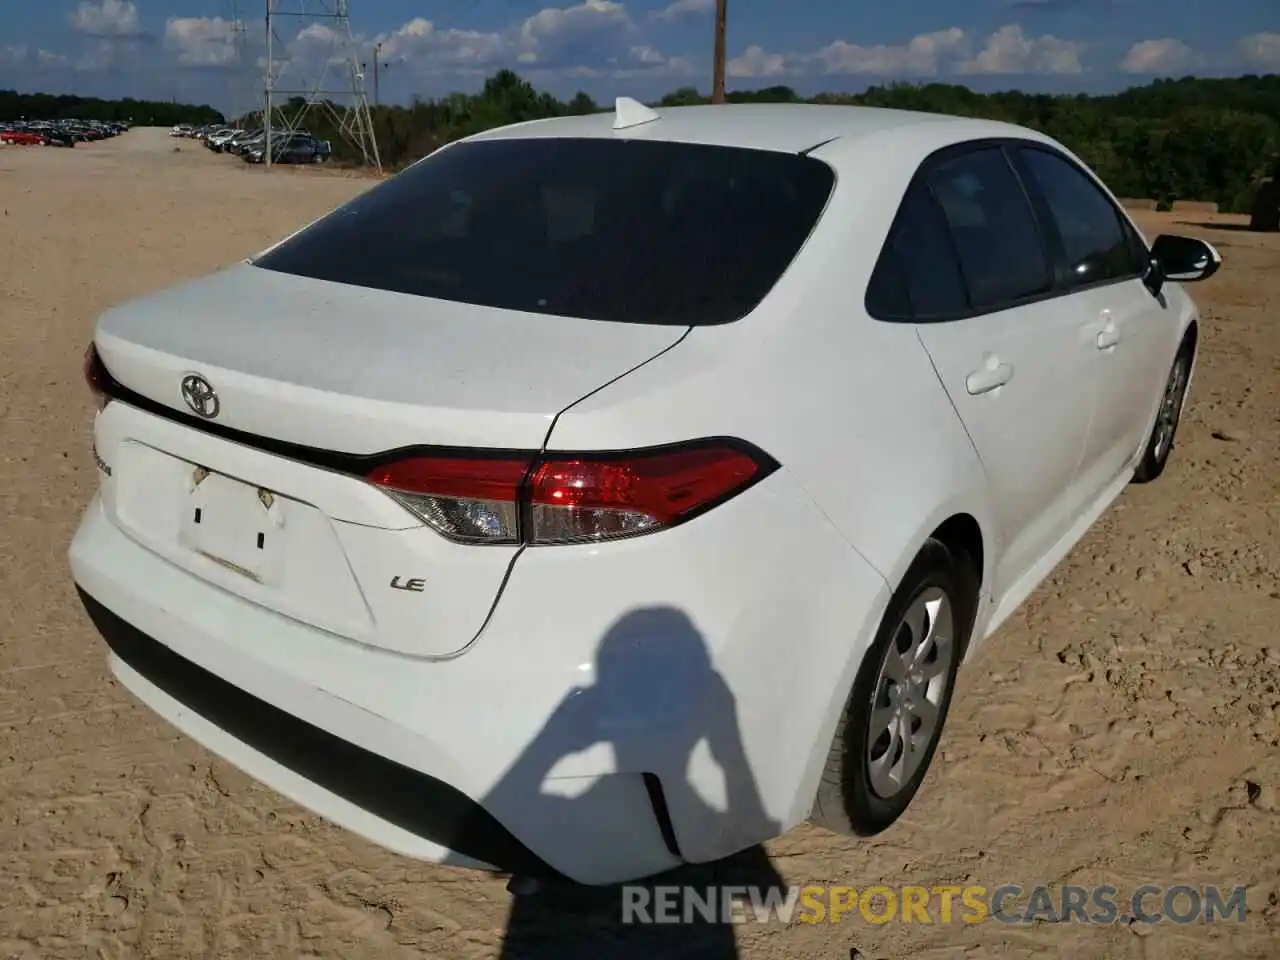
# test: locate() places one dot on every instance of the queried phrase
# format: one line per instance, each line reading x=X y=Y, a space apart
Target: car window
x=992 y=223
x=621 y=230
x=917 y=275
x=1096 y=245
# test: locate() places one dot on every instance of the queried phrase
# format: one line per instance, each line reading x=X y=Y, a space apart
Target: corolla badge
x=200 y=396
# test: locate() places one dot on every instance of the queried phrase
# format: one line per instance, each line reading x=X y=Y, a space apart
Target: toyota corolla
x=607 y=493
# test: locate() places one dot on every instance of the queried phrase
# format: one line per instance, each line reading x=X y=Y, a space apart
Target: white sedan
x=607 y=493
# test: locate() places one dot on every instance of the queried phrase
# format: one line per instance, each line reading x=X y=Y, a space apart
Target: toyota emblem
x=200 y=396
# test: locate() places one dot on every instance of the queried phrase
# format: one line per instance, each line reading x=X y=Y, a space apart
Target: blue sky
x=189 y=50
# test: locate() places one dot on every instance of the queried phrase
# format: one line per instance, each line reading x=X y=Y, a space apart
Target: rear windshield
x=629 y=231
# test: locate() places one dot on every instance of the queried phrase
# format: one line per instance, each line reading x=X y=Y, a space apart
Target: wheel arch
x=963 y=525
x=962 y=535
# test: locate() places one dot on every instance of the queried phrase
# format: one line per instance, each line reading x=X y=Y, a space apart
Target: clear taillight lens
x=470 y=500
x=95 y=375
x=554 y=498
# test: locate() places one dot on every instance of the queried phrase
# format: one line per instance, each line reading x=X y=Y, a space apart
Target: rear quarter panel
x=856 y=415
x=850 y=406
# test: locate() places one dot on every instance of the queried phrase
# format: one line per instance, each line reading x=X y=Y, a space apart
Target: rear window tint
x=629 y=231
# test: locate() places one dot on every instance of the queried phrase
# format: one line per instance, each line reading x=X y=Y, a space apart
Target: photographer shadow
x=652 y=663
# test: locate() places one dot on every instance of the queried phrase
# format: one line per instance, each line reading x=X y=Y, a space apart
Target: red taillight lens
x=551 y=499
x=605 y=498
x=471 y=500
x=95 y=375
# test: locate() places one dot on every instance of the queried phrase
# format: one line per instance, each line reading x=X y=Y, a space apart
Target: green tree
x=1192 y=138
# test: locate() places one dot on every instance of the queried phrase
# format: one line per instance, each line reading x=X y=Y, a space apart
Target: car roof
x=785 y=127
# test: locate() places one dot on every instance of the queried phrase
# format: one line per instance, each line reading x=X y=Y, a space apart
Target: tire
x=1163 y=432
x=853 y=798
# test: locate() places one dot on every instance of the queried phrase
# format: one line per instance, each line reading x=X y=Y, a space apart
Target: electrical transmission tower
x=242 y=95
x=313 y=67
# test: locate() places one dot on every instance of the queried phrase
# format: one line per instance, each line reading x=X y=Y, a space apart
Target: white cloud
x=1165 y=56
x=755 y=62
x=644 y=60
x=1009 y=50
x=592 y=38
x=919 y=56
x=421 y=43
x=679 y=9
x=646 y=54
x=203 y=41
x=24 y=55
x=559 y=33
x=1261 y=50
x=106 y=18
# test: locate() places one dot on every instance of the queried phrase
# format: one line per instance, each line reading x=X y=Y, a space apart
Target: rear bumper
x=591 y=730
x=394 y=805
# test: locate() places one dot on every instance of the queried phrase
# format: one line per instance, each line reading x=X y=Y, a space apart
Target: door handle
x=1108 y=337
x=994 y=374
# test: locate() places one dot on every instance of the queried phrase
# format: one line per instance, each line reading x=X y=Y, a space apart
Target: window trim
x=1046 y=228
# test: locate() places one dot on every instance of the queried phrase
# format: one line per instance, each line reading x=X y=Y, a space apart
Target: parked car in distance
x=26 y=138
x=218 y=138
x=288 y=147
x=58 y=133
x=238 y=143
x=612 y=492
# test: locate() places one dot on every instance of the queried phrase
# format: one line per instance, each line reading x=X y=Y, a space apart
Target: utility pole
x=266 y=113
x=377 y=49
x=717 y=83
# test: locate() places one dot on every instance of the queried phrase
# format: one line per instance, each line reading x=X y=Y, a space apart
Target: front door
x=1135 y=333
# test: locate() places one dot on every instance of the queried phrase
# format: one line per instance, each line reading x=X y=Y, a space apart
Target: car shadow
x=1204 y=225
x=652 y=663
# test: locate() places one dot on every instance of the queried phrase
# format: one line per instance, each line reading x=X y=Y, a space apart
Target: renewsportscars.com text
x=973 y=903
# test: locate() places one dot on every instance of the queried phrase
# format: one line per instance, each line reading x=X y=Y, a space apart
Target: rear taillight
x=471 y=500
x=95 y=375
x=601 y=498
x=571 y=498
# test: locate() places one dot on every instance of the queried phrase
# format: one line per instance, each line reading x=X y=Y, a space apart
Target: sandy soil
x=1122 y=728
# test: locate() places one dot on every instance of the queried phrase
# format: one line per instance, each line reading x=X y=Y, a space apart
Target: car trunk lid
x=359 y=370
x=309 y=374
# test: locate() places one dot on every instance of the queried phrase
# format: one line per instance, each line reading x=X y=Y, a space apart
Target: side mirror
x=1184 y=259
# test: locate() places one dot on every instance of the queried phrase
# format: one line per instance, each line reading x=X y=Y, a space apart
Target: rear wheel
x=1160 y=443
x=894 y=717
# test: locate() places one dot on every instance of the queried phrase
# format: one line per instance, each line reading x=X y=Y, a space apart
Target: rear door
x=1103 y=261
x=1015 y=361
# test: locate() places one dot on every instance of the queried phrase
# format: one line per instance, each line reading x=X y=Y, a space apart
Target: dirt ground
x=1123 y=728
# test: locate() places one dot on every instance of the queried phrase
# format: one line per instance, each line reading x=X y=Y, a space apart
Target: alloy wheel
x=907 y=700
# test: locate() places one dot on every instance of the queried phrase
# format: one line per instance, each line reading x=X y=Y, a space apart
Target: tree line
x=1187 y=139
x=149 y=113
